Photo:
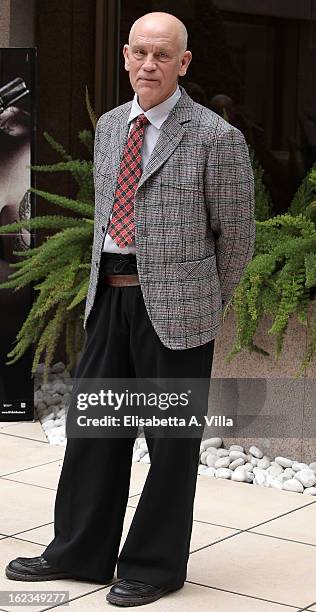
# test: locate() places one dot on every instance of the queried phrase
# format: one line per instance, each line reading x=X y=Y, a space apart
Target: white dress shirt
x=156 y=115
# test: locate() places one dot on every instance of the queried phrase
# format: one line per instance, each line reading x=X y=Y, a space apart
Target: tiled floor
x=252 y=549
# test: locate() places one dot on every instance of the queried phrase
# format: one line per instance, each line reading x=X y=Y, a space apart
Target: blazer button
x=103 y=228
x=96 y=264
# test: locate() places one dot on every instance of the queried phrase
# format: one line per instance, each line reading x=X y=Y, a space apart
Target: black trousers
x=93 y=487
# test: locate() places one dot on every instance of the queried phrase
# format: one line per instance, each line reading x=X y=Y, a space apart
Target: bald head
x=164 y=22
x=156 y=56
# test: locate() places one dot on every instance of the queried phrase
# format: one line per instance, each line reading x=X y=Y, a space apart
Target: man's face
x=154 y=60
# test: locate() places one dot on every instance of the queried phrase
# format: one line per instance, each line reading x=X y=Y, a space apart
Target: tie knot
x=141 y=120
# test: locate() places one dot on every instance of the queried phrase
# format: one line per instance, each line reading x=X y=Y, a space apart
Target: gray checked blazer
x=194 y=218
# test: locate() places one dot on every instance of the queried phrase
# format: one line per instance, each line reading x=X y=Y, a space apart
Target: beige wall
x=4 y=23
x=17 y=23
x=22 y=23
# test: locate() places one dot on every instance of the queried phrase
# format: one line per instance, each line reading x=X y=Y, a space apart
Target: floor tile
x=294 y=526
x=20 y=454
x=11 y=548
x=257 y=566
x=46 y=475
x=203 y=534
x=24 y=506
x=33 y=431
x=39 y=535
x=190 y=597
x=239 y=505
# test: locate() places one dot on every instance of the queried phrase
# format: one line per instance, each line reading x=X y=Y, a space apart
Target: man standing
x=174 y=230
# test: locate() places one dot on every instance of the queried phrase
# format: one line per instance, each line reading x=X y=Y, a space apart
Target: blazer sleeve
x=229 y=189
x=96 y=148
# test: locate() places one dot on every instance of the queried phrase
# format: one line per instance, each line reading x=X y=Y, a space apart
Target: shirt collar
x=157 y=114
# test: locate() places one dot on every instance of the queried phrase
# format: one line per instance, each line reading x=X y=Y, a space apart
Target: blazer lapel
x=171 y=134
x=119 y=137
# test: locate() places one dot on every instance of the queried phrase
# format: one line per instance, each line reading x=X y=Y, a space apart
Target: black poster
x=17 y=126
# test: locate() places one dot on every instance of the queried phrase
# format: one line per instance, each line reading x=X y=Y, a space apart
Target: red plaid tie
x=122 y=226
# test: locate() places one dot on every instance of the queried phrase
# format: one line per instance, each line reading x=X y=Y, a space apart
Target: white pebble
x=275 y=483
x=222 y=452
x=253 y=461
x=215 y=442
x=210 y=472
x=223 y=473
x=211 y=460
x=58 y=367
x=264 y=463
x=202 y=469
x=249 y=467
x=236 y=447
x=212 y=450
x=60 y=420
x=312 y=466
x=48 y=425
x=203 y=457
x=307 y=477
x=222 y=462
x=135 y=457
x=310 y=491
x=256 y=452
x=284 y=462
x=293 y=485
x=275 y=469
x=145 y=458
x=289 y=472
x=40 y=369
x=256 y=470
x=234 y=454
x=60 y=387
x=239 y=476
x=297 y=466
x=260 y=478
x=237 y=462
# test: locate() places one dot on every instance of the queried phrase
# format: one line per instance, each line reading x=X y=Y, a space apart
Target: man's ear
x=125 y=53
x=187 y=57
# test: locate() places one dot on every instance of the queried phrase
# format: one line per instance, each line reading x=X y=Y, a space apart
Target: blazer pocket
x=197 y=269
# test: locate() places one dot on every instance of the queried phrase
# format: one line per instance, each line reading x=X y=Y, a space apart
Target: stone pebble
x=222 y=462
x=293 y=485
x=256 y=452
x=51 y=401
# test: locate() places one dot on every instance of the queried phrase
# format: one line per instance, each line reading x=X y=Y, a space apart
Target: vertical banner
x=17 y=128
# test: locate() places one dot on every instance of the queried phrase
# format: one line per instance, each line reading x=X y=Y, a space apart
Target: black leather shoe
x=33 y=569
x=135 y=593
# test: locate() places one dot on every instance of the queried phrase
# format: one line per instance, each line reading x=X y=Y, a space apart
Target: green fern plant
x=59 y=267
x=263 y=204
x=279 y=280
x=305 y=195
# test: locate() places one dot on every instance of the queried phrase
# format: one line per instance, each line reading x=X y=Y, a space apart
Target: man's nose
x=149 y=63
